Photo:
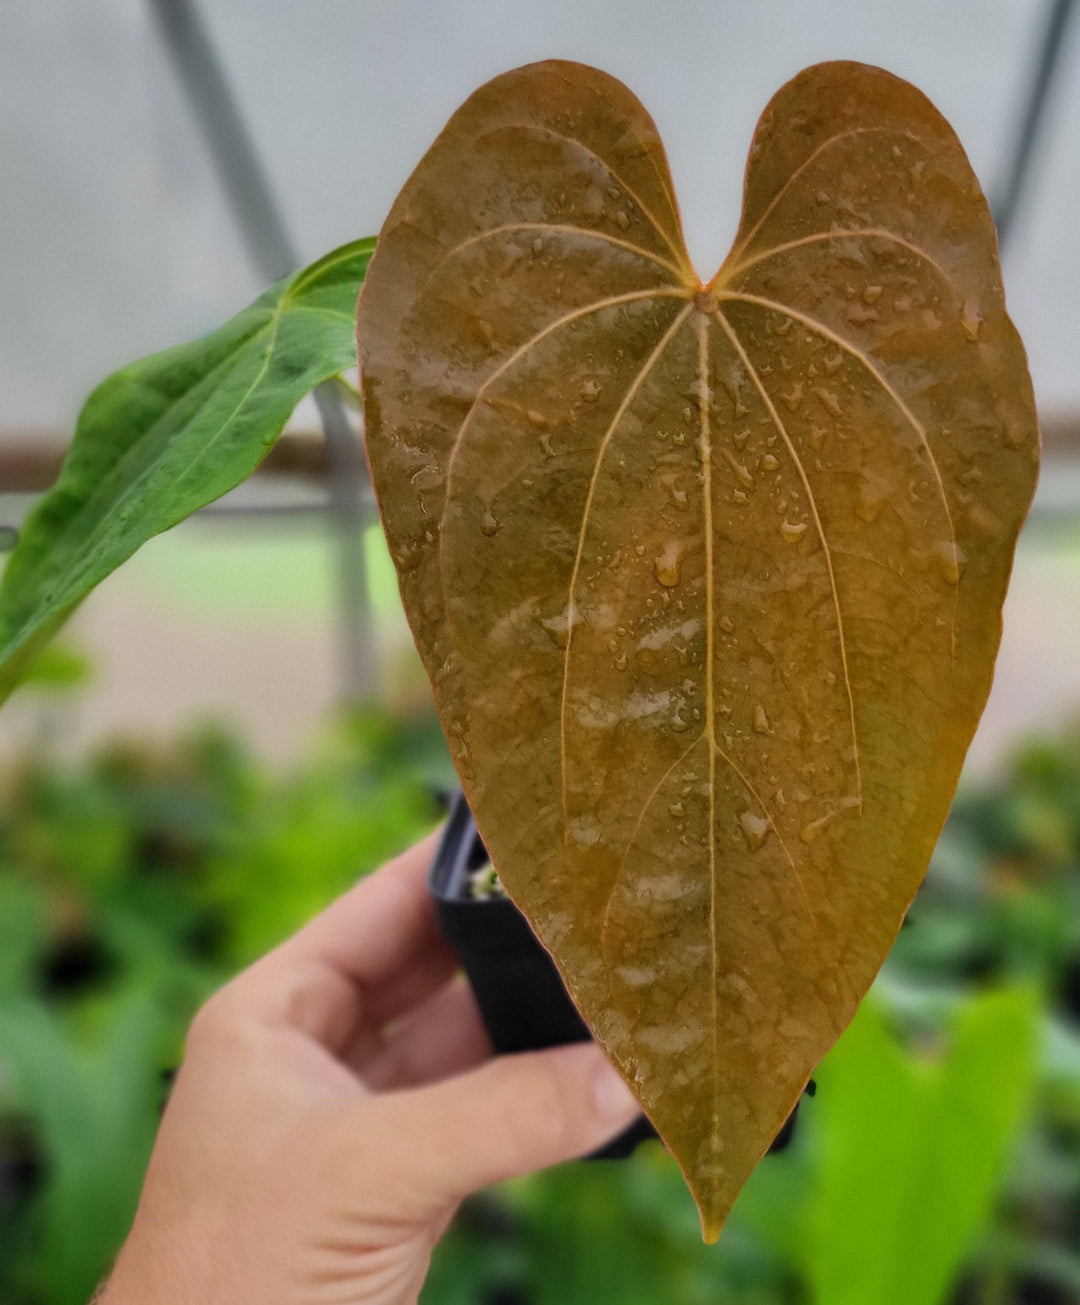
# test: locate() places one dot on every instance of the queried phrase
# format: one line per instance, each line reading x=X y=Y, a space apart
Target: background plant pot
x=521 y=996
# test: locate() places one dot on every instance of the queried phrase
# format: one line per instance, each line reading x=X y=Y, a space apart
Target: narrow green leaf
x=911 y=1152
x=169 y=434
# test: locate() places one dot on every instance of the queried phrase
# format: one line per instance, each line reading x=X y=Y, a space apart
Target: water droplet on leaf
x=813 y=828
x=755 y=829
x=668 y=566
x=428 y=477
x=558 y=627
x=950 y=559
x=828 y=399
x=742 y=475
x=871 y=499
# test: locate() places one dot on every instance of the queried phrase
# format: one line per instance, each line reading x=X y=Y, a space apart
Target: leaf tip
x=712 y=1225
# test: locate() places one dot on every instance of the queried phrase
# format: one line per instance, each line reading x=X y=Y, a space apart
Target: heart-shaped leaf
x=707 y=576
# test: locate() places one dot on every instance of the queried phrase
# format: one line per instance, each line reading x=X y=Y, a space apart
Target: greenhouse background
x=236 y=725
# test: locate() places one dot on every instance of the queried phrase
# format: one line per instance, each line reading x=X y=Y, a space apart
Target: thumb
x=512 y=1115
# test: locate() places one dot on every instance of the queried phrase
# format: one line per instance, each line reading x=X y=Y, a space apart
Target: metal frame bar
x=262 y=226
x=1032 y=121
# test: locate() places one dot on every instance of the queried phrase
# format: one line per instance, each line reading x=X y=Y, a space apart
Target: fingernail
x=612 y=1097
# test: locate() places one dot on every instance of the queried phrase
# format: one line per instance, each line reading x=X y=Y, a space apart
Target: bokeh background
x=233 y=728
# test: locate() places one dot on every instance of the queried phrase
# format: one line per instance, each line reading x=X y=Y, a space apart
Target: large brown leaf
x=707 y=577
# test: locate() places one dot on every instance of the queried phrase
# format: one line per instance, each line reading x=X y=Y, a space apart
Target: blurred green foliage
x=912 y=1149
x=132 y=883
x=940 y=1160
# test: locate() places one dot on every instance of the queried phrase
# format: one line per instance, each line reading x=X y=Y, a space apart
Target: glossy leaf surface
x=167 y=435
x=707 y=576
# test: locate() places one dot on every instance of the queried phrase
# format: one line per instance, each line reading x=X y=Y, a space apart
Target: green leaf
x=911 y=1151
x=94 y=1106
x=169 y=434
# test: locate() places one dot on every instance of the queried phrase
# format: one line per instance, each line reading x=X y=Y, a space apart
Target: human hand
x=336 y=1102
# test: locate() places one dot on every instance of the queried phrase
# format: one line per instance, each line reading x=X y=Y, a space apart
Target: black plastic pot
x=518 y=989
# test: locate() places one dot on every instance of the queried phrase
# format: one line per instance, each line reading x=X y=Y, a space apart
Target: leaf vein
x=620 y=412
x=88 y=563
x=781 y=429
x=615 y=176
x=825 y=144
x=812 y=324
x=597 y=306
x=880 y=233
x=710 y=701
x=564 y=228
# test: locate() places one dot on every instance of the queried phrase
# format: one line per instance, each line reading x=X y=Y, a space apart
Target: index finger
x=368 y=957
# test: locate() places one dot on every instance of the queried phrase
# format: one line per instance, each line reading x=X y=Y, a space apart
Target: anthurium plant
x=707 y=574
